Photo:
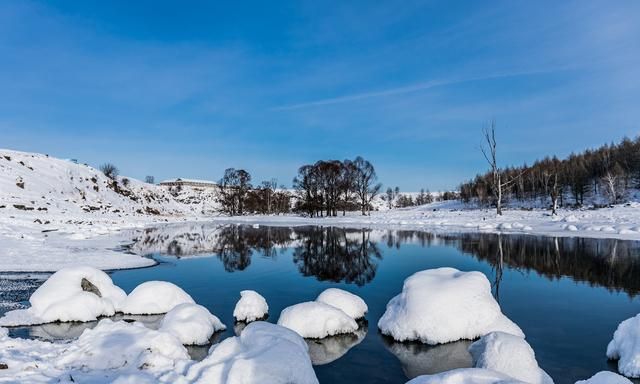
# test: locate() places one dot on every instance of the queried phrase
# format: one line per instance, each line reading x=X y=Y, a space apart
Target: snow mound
x=154 y=297
x=508 y=354
x=605 y=377
x=465 y=376
x=316 y=320
x=251 y=307
x=192 y=324
x=625 y=347
x=263 y=353
x=443 y=305
x=71 y=294
x=112 y=345
x=349 y=303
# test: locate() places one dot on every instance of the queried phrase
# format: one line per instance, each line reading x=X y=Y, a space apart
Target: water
x=567 y=294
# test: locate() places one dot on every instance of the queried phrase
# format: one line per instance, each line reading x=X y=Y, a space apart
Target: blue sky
x=190 y=88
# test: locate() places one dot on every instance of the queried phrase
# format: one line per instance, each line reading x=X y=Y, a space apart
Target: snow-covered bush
x=316 y=320
x=349 y=303
x=153 y=297
x=71 y=294
x=508 y=354
x=443 y=305
x=251 y=307
x=192 y=324
x=625 y=347
x=263 y=353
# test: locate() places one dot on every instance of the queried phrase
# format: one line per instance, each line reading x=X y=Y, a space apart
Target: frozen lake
x=567 y=294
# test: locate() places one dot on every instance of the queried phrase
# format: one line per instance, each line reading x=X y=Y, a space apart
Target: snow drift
x=316 y=320
x=71 y=294
x=443 y=305
x=251 y=307
x=625 y=347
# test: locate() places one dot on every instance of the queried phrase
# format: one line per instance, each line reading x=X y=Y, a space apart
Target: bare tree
x=110 y=170
x=365 y=183
x=150 y=180
x=489 y=153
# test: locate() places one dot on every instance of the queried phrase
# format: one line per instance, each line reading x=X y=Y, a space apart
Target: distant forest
x=606 y=174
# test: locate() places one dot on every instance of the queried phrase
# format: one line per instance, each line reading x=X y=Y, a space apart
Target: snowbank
x=465 y=376
x=316 y=320
x=605 y=377
x=71 y=294
x=508 y=354
x=251 y=307
x=443 y=305
x=263 y=353
x=349 y=303
x=154 y=297
x=192 y=324
x=625 y=347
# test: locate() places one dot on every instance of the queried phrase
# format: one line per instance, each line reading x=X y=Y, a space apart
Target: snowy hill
x=37 y=182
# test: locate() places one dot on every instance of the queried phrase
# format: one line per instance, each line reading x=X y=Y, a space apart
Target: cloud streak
x=416 y=87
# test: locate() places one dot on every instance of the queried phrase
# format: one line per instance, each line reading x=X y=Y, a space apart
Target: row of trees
x=327 y=187
x=395 y=199
x=609 y=172
x=238 y=196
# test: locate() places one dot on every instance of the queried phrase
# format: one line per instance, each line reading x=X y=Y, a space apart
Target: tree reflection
x=336 y=254
x=610 y=263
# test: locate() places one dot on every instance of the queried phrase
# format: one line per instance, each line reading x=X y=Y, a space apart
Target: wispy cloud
x=416 y=87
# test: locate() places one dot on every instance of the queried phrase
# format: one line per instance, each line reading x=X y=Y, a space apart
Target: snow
x=605 y=377
x=154 y=297
x=349 y=303
x=63 y=298
x=192 y=324
x=444 y=305
x=316 y=320
x=251 y=307
x=99 y=355
x=465 y=376
x=508 y=354
x=625 y=347
x=69 y=214
x=263 y=353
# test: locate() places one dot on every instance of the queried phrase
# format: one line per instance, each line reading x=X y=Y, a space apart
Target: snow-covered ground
x=56 y=213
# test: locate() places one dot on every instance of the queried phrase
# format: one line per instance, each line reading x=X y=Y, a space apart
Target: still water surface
x=567 y=294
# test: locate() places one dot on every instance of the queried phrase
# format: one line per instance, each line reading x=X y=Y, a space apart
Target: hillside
x=40 y=183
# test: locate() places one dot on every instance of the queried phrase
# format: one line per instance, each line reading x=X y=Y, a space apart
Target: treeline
x=237 y=196
x=320 y=189
x=395 y=199
x=330 y=186
x=609 y=171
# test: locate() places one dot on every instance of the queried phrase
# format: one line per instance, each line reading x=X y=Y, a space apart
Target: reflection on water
x=352 y=255
x=329 y=349
x=422 y=359
x=336 y=254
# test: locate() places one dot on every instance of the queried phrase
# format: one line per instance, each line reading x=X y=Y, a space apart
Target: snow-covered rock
x=113 y=345
x=153 y=297
x=508 y=354
x=605 y=377
x=316 y=320
x=443 y=305
x=465 y=376
x=71 y=294
x=263 y=353
x=192 y=324
x=251 y=307
x=625 y=347
x=349 y=303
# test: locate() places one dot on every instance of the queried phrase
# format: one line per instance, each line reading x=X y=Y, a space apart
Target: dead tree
x=489 y=153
